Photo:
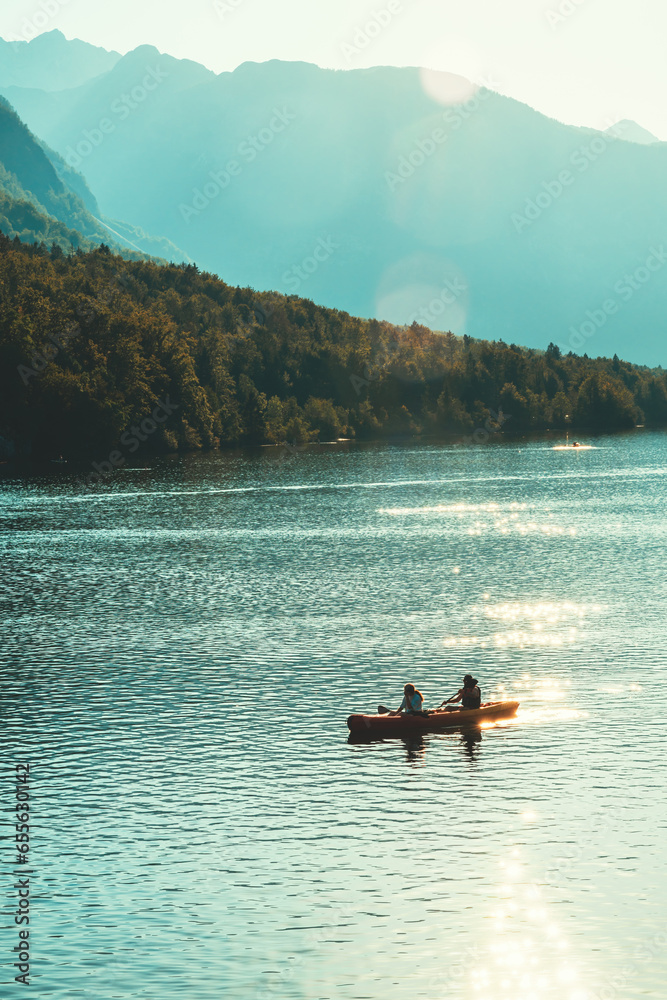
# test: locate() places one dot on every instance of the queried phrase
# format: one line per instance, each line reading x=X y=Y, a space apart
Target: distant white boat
x=575 y=446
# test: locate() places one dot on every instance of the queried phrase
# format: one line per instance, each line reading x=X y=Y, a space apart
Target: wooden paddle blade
x=382 y=710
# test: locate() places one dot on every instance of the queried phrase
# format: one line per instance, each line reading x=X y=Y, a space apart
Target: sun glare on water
x=487 y=518
x=526 y=954
x=526 y=626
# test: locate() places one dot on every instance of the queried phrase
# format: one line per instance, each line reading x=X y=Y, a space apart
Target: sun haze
x=580 y=61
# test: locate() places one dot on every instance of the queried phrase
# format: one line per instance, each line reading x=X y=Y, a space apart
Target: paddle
x=446 y=702
x=385 y=711
x=388 y=711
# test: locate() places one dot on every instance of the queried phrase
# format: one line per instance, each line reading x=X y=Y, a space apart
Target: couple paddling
x=469 y=695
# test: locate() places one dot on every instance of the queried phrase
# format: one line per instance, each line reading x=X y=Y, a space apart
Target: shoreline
x=25 y=465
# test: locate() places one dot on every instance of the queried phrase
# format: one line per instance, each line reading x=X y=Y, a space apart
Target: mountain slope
x=71 y=178
x=126 y=97
x=632 y=132
x=51 y=62
x=22 y=157
x=38 y=202
x=365 y=192
x=21 y=218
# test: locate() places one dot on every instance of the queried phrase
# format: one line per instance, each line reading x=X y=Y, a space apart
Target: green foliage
x=37 y=205
x=22 y=218
x=22 y=215
x=90 y=343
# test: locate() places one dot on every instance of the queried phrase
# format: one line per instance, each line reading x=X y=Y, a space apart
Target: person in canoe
x=469 y=695
x=412 y=704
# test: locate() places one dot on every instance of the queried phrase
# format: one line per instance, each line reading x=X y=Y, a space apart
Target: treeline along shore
x=96 y=349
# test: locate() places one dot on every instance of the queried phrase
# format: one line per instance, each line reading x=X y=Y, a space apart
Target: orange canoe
x=408 y=725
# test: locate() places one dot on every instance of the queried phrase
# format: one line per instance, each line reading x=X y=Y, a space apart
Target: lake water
x=182 y=647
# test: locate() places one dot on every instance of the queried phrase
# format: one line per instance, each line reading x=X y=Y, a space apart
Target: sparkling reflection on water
x=181 y=651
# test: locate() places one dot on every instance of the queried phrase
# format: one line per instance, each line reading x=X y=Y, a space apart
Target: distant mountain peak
x=56 y=39
x=141 y=51
x=632 y=132
x=46 y=36
x=370 y=193
x=131 y=69
x=51 y=62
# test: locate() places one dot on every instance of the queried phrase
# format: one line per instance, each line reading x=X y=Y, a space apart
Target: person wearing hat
x=469 y=695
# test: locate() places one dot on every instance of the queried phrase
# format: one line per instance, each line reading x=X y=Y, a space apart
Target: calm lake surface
x=183 y=645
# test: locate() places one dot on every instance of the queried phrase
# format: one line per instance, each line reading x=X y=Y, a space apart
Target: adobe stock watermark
x=383 y=355
x=492 y=425
x=257 y=315
x=598 y=826
x=292 y=973
x=39 y=20
x=552 y=190
x=22 y=827
x=365 y=33
x=121 y=108
x=281 y=456
x=643 y=953
x=452 y=290
x=423 y=149
x=131 y=439
x=247 y=151
x=225 y=7
x=298 y=273
x=566 y=8
x=86 y=311
x=626 y=288
x=452 y=976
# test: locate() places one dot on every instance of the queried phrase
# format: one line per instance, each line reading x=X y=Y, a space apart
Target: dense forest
x=22 y=217
x=98 y=352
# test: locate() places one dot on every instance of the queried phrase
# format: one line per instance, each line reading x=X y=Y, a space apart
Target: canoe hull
x=408 y=725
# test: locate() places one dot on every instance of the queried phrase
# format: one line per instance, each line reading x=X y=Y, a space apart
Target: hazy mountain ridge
x=39 y=200
x=450 y=214
x=51 y=62
x=632 y=132
x=71 y=178
x=33 y=173
x=22 y=217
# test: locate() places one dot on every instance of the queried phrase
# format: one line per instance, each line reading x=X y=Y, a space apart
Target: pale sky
x=586 y=62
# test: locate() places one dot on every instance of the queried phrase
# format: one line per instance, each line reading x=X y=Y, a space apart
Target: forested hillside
x=416 y=180
x=91 y=344
x=42 y=199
